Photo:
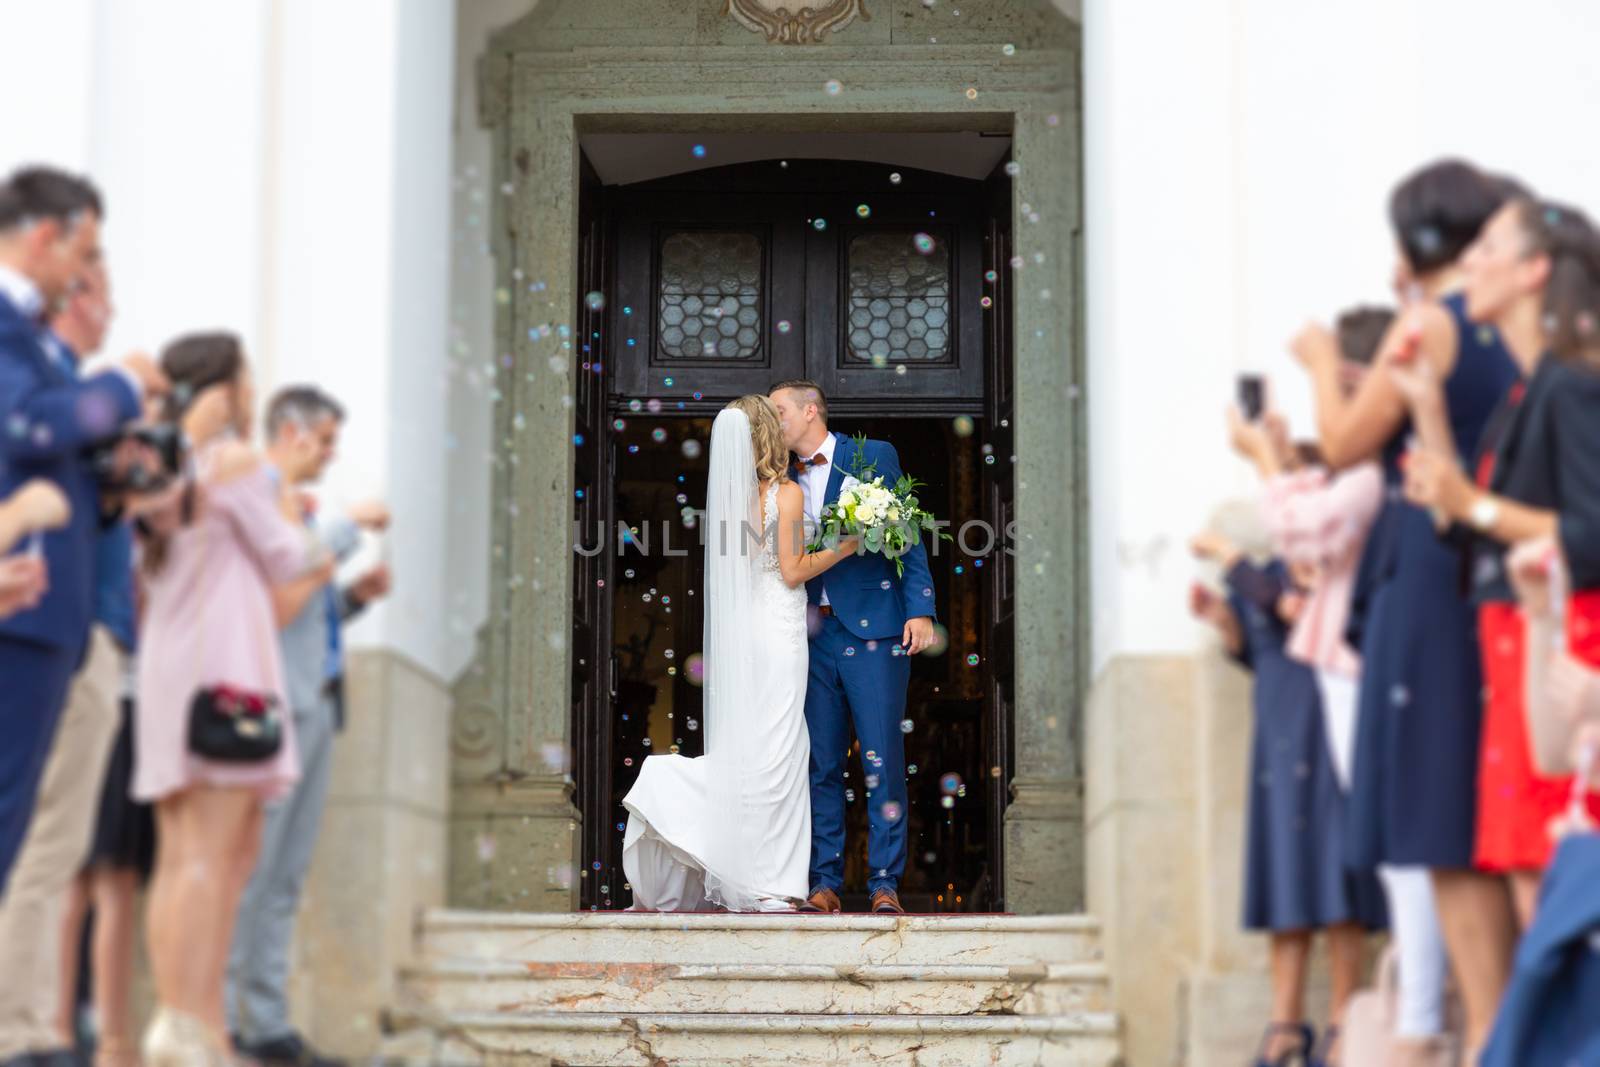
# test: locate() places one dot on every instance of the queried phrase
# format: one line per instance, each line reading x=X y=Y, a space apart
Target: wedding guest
x=1321 y=520
x=49 y=236
x=64 y=811
x=1548 y=1013
x=209 y=565
x=302 y=432
x=1534 y=274
x=1295 y=881
x=1414 y=779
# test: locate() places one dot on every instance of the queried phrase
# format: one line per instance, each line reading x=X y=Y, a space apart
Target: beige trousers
x=57 y=844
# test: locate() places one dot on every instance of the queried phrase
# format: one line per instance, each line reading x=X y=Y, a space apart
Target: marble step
x=496 y=988
x=836 y=940
x=750 y=1040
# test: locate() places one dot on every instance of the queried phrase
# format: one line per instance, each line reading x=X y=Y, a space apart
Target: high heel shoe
x=174 y=1039
x=1297 y=1056
x=1324 y=1054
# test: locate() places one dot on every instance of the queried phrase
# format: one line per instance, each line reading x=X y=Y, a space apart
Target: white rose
x=846 y=498
x=894 y=514
x=866 y=512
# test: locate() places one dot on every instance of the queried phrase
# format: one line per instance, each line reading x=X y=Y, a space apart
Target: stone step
x=484 y=988
x=757 y=1040
x=835 y=940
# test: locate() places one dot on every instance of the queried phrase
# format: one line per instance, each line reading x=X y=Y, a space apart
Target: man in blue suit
x=867 y=623
x=49 y=235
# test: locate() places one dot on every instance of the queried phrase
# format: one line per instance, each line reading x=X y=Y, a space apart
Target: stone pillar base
x=1044 y=846
x=380 y=858
x=515 y=846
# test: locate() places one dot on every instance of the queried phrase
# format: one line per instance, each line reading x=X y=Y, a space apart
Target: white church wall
x=473 y=361
x=1238 y=159
x=280 y=170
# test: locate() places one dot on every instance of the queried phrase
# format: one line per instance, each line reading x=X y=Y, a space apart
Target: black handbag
x=234 y=726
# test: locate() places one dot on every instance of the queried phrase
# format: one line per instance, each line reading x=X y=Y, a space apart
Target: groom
x=867 y=625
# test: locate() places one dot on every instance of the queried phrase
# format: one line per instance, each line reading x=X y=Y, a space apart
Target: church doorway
x=887 y=284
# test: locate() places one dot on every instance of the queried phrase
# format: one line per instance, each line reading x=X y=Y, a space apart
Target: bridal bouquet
x=888 y=520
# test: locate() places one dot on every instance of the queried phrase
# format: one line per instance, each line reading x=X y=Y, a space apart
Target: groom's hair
x=810 y=393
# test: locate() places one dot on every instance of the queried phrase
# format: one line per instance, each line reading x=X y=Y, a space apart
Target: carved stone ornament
x=808 y=25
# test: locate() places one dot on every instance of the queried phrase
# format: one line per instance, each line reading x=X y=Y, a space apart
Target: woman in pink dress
x=210 y=559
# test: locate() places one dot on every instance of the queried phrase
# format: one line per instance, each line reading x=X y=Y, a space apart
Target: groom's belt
x=824 y=609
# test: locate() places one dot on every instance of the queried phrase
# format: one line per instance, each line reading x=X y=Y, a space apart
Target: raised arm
x=241 y=489
x=1352 y=430
x=796 y=564
x=49 y=421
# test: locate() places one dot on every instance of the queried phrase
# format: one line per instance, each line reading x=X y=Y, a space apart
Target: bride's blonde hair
x=766 y=437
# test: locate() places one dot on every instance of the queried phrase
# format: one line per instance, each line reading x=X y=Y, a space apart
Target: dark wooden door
x=893 y=296
x=998 y=582
x=730 y=279
x=593 y=662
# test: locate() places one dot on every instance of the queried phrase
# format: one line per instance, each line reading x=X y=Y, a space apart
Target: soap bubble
x=691 y=449
x=783 y=326
x=891 y=811
x=863 y=211
x=894 y=178
x=949 y=783
x=906 y=726
x=923 y=243
x=832 y=87
x=595 y=300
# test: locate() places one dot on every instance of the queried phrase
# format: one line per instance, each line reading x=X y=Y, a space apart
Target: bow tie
x=818 y=460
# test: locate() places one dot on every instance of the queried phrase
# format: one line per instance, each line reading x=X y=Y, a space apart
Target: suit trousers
x=54 y=850
x=259 y=960
x=34 y=679
x=860 y=683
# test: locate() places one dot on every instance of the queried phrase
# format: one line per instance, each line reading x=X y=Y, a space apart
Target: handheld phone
x=35 y=549
x=1252 y=396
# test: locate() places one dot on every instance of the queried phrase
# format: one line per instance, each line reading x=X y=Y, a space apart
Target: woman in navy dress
x=1414 y=793
x=1295 y=879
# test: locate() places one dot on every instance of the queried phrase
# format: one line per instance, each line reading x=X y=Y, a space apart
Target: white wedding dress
x=732 y=829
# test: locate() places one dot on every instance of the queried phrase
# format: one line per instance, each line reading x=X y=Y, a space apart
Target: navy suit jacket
x=47 y=420
x=857 y=590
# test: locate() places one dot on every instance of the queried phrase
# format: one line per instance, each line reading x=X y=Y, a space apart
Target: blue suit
x=1551 y=1010
x=47 y=419
x=858 y=676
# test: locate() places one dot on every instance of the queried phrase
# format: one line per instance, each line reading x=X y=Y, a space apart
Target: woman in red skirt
x=1534 y=273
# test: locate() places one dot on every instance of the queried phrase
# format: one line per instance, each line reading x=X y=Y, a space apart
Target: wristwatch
x=1485 y=513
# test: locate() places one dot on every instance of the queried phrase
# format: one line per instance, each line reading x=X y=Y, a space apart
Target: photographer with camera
x=49 y=238
x=60 y=832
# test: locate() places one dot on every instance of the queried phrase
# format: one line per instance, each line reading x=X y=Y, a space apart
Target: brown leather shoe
x=886 y=902
x=823 y=901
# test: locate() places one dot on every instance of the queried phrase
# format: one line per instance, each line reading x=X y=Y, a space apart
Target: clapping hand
x=371 y=515
x=1416 y=378
x=1315 y=347
x=1437 y=482
x=40 y=505
x=372 y=585
x=1529 y=566
x=1215 y=547
x=24 y=581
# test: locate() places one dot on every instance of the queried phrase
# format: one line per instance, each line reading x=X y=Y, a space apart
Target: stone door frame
x=510 y=782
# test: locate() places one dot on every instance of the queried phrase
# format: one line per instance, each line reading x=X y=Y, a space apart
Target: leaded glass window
x=899 y=297
x=709 y=303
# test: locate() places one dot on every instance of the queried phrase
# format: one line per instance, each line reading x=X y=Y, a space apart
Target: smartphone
x=1252 y=396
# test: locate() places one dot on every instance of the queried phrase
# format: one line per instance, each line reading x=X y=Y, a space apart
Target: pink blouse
x=1321 y=520
x=209 y=619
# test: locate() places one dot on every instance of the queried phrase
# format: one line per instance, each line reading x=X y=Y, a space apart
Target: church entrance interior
x=715 y=266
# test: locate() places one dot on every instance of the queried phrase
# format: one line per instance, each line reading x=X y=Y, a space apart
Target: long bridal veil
x=732 y=533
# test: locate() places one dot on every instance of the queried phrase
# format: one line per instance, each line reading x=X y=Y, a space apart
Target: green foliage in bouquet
x=889 y=520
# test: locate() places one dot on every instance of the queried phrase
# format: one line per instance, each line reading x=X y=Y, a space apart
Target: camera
x=116 y=474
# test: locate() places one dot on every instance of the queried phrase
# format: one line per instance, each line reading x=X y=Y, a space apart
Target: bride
x=732 y=829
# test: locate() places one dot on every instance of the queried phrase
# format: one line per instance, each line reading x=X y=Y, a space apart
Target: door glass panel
x=899 y=297
x=709 y=302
